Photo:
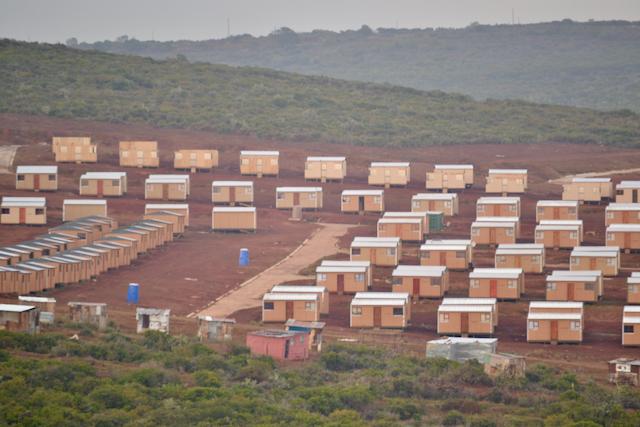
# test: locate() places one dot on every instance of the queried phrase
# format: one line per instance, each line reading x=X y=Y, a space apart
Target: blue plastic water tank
x=133 y=293
x=243 y=260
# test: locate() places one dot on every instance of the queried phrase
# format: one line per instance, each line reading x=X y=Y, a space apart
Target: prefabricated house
x=466 y=320
x=556 y=210
x=450 y=177
x=152 y=319
x=234 y=218
x=37 y=178
x=508 y=219
x=74 y=149
x=380 y=310
x=360 y=201
x=506 y=181
x=556 y=234
x=259 y=163
x=530 y=257
x=325 y=169
x=195 y=160
x=215 y=329
x=631 y=325
x=280 y=307
x=23 y=210
x=555 y=322
x=102 y=184
x=46 y=307
x=435 y=202
x=232 y=192
x=279 y=345
x=406 y=229
x=421 y=281
x=628 y=192
x=498 y=206
x=454 y=254
x=381 y=251
x=424 y=216
x=500 y=283
x=603 y=258
x=73 y=209
x=493 y=233
x=19 y=318
x=174 y=187
x=305 y=197
x=94 y=313
x=625 y=236
x=141 y=154
x=624 y=371
x=581 y=286
x=320 y=291
x=389 y=174
x=588 y=189
x=491 y=302
x=622 y=213
x=344 y=277
x=177 y=208
x=177 y=220
x=633 y=288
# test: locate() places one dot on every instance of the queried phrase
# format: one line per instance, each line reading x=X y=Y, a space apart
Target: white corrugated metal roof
x=469 y=301
x=520 y=249
x=222 y=209
x=389 y=164
x=295 y=289
x=554 y=316
x=562 y=222
x=282 y=296
x=326 y=159
x=232 y=184
x=447 y=242
x=571 y=278
x=177 y=180
x=15 y=308
x=631 y=309
x=591 y=180
x=434 y=196
x=623 y=207
x=558 y=227
x=558 y=203
x=259 y=153
x=503 y=273
x=84 y=202
x=382 y=295
x=340 y=269
x=507 y=171
x=377 y=302
x=453 y=167
x=555 y=304
x=631 y=319
x=363 y=193
x=594 y=273
x=628 y=184
x=418 y=270
x=103 y=175
x=495 y=224
x=170 y=176
x=497 y=200
x=497 y=219
x=624 y=227
x=429 y=247
x=167 y=206
x=447 y=308
x=394 y=220
x=35 y=299
x=405 y=215
x=374 y=244
x=37 y=169
x=612 y=249
x=38 y=202
x=338 y=263
x=299 y=190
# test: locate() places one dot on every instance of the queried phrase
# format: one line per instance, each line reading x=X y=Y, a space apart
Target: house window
x=397 y=281
x=573 y=235
x=610 y=215
x=52 y=177
x=461 y=254
x=140 y=154
x=322 y=277
x=425 y=254
x=534 y=325
x=474 y=283
x=486 y=318
x=5 y=211
x=78 y=150
x=178 y=156
x=63 y=149
x=575 y=325
x=302 y=338
x=480 y=208
x=376 y=200
x=323 y=166
x=39 y=211
x=281 y=196
x=268 y=305
x=84 y=182
x=313 y=196
x=628 y=329
x=391 y=251
x=511 y=284
x=248 y=190
x=475 y=232
x=124 y=154
x=180 y=187
x=611 y=261
x=245 y=161
x=512 y=208
x=447 y=204
x=387 y=172
x=633 y=289
x=575 y=260
x=274 y=162
x=501 y=258
x=356 y=251
x=398 y=311
x=356 y=311
x=115 y=183
x=415 y=204
x=207 y=156
x=589 y=287
x=20 y=177
x=571 y=210
x=359 y=277
x=509 y=231
x=610 y=236
x=535 y=258
x=415 y=227
x=309 y=306
x=436 y=281
x=345 y=199
x=217 y=189
x=193 y=156
x=551 y=286
x=444 y=317
x=540 y=210
x=539 y=235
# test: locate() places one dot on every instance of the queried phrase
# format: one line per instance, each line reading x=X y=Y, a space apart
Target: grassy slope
x=63 y=82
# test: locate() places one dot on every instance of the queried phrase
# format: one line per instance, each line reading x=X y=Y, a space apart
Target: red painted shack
x=280 y=345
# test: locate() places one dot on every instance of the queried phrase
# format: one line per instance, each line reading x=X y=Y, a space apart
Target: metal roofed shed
x=37 y=178
x=47 y=307
x=23 y=210
x=303 y=197
x=19 y=318
x=215 y=329
x=462 y=349
x=447 y=203
x=361 y=201
x=278 y=344
x=232 y=192
x=155 y=319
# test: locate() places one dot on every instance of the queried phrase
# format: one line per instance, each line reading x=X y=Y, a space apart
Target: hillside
x=62 y=82
x=590 y=64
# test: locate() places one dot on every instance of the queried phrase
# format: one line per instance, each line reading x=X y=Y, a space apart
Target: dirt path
x=321 y=243
x=567 y=178
x=7 y=154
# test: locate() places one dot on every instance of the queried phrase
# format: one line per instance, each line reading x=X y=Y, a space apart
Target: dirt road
x=568 y=178
x=7 y=154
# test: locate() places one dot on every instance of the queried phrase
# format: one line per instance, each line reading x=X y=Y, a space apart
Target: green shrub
x=453 y=418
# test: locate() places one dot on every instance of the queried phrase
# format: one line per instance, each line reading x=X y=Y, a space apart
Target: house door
x=443 y=258
x=289 y=310
x=430 y=205
x=145 y=321
x=416 y=287
x=492 y=235
x=556 y=213
x=464 y=323
x=296 y=199
x=496 y=210
x=377 y=317
x=100 y=185
x=232 y=194
x=36 y=182
x=518 y=261
x=398 y=231
x=23 y=216
x=634 y=196
x=165 y=191
x=627 y=240
x=340 y=283
x=286 y=349
x=259 y=166
x=625 y=217
x=556 y=239
x=571 y=291
x=493 y=288
x=372 y=256
x=592 y=264
x=554 y=330
x=361 y=203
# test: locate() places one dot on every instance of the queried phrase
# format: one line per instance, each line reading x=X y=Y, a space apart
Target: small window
x=208 y=156
x=461 y=254
x=309 y=306
x=589 y=287
x=444 y=317
x=512 y=208
x=628 y=329
x=573 y=235
x=178 y=156
x=268 y=305
x=345 y=199
x=387 y=172
x=356 y=251
x=611 y=261
x=575 y=325
x=356 y=311
x=376 y=200
x=535 y=258
x=140 y=154
x=486 y=318
x=313 y=195
x=447 y=204
x=474 y=283
x=52 y=177
x=574 y=260
x=5 y=211
x=610 y=237
x=512 y=284
x=610 y=215
x=425 y=254
x=78 y=150
x=509 y=231
x=321 y=277
x=274 y=162
x=436 y=281
x=398 y=311
x=475 y=231
x=571 y=210
x=245 y=161
x=63 y=149
x=39 y=211
x=540 y=210
x=539 y=235
x=84 y=182
x=115 y=182
x=302 y=338
x=480 y=208
x=248 y=190
x=193 y=156
x=415 y=204
x=551 y=286
x=280 y=195
x=124 y=154
x=397 y=280
x=633 y=289
x=359 y=277
x=391 y=251
x=217 y=190
x=20 y=178
x=534 y=325
x=415 y=227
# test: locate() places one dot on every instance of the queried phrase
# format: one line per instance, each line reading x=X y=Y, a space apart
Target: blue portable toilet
x=133 y=293
x=243 y=260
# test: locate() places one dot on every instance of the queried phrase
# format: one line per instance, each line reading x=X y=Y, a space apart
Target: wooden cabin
x=37 y=178
x=279 y=345
x=360 y=201
x=588 y=190
x=493 y=233
x=631 y=325
x=389 y=174
x=490 y=302
x=19 y=318
x=406 y=229
x=380 y=310
x=171 y=187
x=530 y=257
x=325 y=169
x=435 y=202
x=455 y=254
x=305 y=197
x=500 y=283
x=234 y=218
x=152 y=319
x=73 y=209
x=421 y=281
x=628 y=192
x=556 y=210
x=280 y=307
x=625 y=236
x=139 y=154
x=577 y=285
x=259 y=163
x=466 y=320
x=633 y=288
x=71 y=149
x=320 y=291
x=232 y=193
x=423 y=216
x=380 y=251
x=177 y=208
x=558 y=235
x=449 y=177
x=498 y=206
x=23 y=210
x=555 y=322
x=622 y=213
x=505 y=181
x=195 y=160
x=603 y=258
x=103 y=184
x=344 y=277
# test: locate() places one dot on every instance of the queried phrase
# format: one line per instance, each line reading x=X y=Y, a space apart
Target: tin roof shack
x=344 y=277
x=603 y=258
x=215 y=329
x=624 y=371
x=463 y=349
x=37 y=178
x=234 y=218
x=325 y=169
x=73 y=209
x=259 y=163
x=493 y=233
x=455 y=254
x=46 y=307
x=506 y=181
x=421 y=281
x=498 y=206
x=74 y=149
x=177 y=208
x=279 y=345
x=584 y=286
x=633 y=288
x=280 y=307
x=450 y=177
x=466 y=320
x=555 y=322
x=195 y=160
x=424 y=216
x=631 y=325
x=434 y=202
x=556 y=210
x=506 y=365
x=152 y=319
x=232 y=193
x=101 y=184
x=628 y=192
x=380 y=310
x=166 y=187
x=305 y=197
x=361 y=201
x=19 y=318
x=140 y=154
x=406 y=229
x=321 y=291
x=625 y=236
x=23 y=210
x=530 y=257
x=381 y=251
x=622 y=213
x=500 y=283
x=314 y=329
x=592 y=190
x=558 y=234
x=389 y=174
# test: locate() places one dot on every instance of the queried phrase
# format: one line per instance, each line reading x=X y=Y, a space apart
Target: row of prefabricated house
x=601 y=189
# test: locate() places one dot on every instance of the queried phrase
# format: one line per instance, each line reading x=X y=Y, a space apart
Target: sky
x=96 y=20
